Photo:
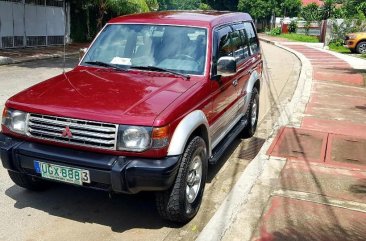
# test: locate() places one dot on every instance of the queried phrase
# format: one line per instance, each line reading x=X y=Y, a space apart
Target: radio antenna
x=65 y=23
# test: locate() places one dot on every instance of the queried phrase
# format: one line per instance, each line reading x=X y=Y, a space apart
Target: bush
x=292 y=27
x=275 y=31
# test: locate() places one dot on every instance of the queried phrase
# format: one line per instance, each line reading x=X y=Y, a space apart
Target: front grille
x=84 y=133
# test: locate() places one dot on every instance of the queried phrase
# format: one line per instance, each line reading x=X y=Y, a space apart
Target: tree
x=311 y=12
x=260 y=9
x=353 y=8
x=288 y=8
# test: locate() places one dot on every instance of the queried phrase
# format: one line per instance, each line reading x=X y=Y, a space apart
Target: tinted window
x=252 y=37
x=225 y=48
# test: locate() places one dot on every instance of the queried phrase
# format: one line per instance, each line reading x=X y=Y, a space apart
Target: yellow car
x=356 y=42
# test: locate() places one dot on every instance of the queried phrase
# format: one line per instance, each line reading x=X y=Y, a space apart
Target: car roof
x=190 y=18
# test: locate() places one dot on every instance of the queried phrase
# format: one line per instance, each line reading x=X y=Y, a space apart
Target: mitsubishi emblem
x=67 y=132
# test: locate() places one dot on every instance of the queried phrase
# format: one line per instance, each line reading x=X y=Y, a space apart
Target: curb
x=245 y=193
x=7 y=60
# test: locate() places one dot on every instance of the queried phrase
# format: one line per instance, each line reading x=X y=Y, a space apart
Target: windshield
x=176 y=48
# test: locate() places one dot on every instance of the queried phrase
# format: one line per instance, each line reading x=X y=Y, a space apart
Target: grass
x=363 y=56
x=339 y=48
x=299 y=37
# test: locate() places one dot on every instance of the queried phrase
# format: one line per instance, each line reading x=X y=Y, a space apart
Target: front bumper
x=118 y=174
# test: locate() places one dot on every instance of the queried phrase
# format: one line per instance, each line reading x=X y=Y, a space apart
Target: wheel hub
x=254 y=112
x=362 y=48
x=194 y=178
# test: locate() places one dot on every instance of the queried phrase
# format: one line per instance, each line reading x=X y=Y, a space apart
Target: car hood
x=133 y=97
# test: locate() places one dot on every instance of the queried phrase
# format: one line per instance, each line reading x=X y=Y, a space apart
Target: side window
x=252 y=37
x=225 y=48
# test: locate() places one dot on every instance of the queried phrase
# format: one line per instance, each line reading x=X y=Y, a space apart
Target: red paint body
x=135 y=97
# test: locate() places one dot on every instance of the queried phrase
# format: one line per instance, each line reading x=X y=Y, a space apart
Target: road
x=71 y=213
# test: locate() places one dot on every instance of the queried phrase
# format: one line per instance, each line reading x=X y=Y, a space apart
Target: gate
x=29 y=23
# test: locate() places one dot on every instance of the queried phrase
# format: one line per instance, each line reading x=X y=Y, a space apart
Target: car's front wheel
x=181 y=202
x=361 y=47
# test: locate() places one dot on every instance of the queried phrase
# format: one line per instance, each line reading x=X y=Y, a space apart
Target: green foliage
x=300 y=37
x=275 y=31
x=204 y=6
x=354 y=8
x=264 y=9
x=231 y=5
x=292 y=26
x=338 y=47
x=120 y=7
x=311 y=12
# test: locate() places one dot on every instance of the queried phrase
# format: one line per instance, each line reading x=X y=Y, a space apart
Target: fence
x=29 y=23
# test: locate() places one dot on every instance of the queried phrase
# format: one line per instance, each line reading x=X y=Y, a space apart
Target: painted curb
x=291 y=114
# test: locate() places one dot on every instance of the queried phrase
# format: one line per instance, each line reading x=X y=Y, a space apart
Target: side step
x=219 y=150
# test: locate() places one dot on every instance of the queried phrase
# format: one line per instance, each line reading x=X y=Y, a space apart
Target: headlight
x=351 y=36
x=134 y=138
x=139 y=138
x=15 y=120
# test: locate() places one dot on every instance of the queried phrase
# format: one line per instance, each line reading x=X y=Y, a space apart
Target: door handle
x=235 y=82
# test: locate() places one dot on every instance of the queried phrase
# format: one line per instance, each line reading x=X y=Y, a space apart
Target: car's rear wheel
x=181 y=202
x=28 y=182
x=252 y=115
x=361 y=47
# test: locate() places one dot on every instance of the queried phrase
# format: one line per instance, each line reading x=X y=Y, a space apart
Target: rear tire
x=28 y=182
x=361 y=47
x=252 y=115
x=182 y=201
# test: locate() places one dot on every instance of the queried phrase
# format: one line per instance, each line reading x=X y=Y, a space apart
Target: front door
x=223 y=89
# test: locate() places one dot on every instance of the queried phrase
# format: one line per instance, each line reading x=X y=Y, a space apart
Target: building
x=30 y=23
x=317 y=2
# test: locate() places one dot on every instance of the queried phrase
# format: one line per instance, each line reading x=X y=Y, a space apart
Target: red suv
x=155 y=99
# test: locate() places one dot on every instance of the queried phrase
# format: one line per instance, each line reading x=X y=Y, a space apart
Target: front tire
x=361 y=47
x=181 y=202
x=252 y=115
x=28 y=182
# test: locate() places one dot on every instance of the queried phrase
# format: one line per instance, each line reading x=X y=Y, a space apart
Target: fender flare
x=254 y=77
x=184 y=130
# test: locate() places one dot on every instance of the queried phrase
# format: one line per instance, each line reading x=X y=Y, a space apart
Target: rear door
x=254 y=47
x=243 y=61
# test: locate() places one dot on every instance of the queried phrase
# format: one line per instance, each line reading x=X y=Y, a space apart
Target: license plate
x=61 y=173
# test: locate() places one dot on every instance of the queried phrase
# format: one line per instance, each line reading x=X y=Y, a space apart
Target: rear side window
x=240 y=42
x=252 y=38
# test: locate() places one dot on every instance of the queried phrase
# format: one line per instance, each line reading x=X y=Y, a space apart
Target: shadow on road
x=121 y=213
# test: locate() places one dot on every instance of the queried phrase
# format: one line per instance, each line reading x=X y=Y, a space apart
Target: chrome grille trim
x=84 y=132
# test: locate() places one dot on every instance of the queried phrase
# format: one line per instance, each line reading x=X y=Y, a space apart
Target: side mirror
x=226 y=66
x=82 y=52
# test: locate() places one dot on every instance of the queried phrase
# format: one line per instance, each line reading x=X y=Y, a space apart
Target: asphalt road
x=71 y=213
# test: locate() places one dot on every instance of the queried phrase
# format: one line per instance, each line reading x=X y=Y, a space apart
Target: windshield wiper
x=154 y=68
x=104 y=64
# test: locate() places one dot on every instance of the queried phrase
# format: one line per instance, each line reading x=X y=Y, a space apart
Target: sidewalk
x=11 y=56
x=321 y=191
